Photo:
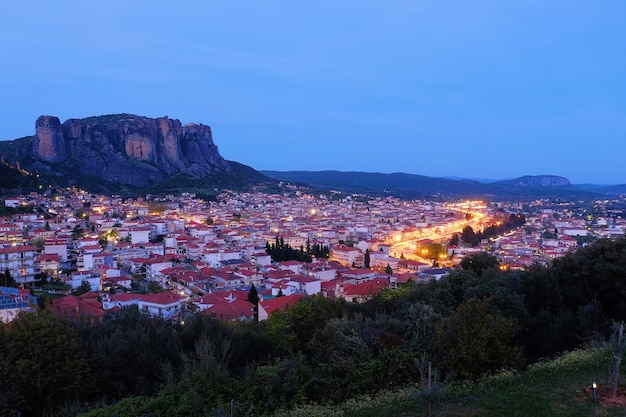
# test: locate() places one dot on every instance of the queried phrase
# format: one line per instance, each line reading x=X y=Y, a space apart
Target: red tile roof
x=280 y=303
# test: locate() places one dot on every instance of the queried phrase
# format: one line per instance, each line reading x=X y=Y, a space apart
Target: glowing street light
x=595 y=392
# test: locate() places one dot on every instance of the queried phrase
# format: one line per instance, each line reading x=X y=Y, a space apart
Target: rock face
x=127 y=149
x=49 y=144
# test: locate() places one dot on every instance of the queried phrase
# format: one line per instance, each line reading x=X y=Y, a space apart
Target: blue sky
x=477 y=89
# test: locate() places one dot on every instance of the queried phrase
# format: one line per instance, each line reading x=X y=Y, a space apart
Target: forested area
x=476 y=321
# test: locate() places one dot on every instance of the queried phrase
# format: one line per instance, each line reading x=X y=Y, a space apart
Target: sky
x=486 y=89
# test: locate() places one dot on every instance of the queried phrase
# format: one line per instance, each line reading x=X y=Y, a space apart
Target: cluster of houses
x=207 y=256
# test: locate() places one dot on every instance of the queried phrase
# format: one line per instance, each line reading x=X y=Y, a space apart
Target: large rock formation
x=48 y=144
x=125 y=149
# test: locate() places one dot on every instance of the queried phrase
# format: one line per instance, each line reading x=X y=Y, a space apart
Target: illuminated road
x=405 y=243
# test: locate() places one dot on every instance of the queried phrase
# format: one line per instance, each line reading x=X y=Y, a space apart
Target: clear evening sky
x=473 y=88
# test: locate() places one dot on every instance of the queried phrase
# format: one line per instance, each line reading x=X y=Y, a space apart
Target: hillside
x=14 y=181
x=561 y=386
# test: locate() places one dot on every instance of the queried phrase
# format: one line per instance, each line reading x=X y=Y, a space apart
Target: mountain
x=127 y=152
x=420 y=186
x=536 y=181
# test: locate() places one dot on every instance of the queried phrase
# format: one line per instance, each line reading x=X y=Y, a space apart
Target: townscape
x=86 y=254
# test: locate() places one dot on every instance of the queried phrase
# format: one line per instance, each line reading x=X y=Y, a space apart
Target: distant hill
x=604 y=189
x=128 y=154
x=420 y=186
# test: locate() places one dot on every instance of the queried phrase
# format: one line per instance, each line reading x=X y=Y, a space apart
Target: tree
x=42 y=364
x=77 y=232
x=8 y=279
x=253 y=295
x=454 y=240
x=84 y=288
x=388 y=270
x=366 y=258
x=472 y=341
x=479 y=262
x=468 y=236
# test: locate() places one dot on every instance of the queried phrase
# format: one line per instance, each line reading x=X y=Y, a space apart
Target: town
x=89 y=254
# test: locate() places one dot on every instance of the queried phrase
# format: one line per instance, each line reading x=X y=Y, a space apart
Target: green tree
x=83 y=289
x=366 y=258
x=42 y=364
x=468 y=236
x=479 y=262
x=472 y=341
x=388 y=270
x=8 y=279
x=77 y=232
x=253 y=295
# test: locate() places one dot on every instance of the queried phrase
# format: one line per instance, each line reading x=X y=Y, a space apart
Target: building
x=347 y=256
x=19 y=261
x=13 y=302
x=165 y=305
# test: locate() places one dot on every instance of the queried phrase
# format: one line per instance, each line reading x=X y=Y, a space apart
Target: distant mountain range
x=420 y=186
x=132 y=155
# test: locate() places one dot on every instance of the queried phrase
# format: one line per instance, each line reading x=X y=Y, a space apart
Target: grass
x=560 y=387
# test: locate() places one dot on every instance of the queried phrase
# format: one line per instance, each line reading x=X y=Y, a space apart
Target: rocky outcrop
x=127 y=149
x=48 y=144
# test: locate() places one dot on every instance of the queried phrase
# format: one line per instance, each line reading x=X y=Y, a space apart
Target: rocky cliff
x=121 y=149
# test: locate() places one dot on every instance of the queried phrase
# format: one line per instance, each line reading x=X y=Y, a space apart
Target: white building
x=19 y=261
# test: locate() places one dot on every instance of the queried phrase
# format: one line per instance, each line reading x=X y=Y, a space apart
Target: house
x=111 y=278
x=49 y=264
x=227 y=306
x=261 y=259
x=139 y=235
x=364 y=291
x=282 y=287
x=77 y=307
x=434 y=274
x=13 y=301
x=346 y=255
x=56 y=246
x=306 y=284
x=358 y=275
x=267 y=307
x=19 y=261
x=77 y=278
x=165 y=305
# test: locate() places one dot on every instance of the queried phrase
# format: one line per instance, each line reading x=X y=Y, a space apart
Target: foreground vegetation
x=469 y=326
x=559 y=387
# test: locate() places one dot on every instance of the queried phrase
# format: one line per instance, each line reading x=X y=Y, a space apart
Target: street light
x=595 y=392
